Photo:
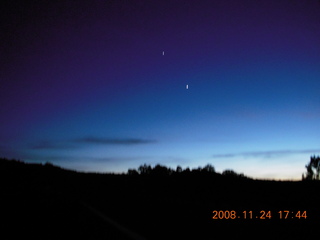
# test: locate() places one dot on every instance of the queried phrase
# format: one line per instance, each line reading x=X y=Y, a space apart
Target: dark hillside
x=47 y=202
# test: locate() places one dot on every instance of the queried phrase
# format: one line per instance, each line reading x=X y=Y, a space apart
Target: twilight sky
x=85 y=85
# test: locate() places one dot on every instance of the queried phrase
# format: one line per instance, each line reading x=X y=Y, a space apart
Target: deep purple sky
x=84 y=84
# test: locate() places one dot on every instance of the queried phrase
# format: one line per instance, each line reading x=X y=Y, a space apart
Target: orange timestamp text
x=263 y=214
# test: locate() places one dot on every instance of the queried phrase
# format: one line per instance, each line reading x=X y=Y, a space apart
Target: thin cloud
x=267 y=154
x=114 y=141
x=72 y=144
x=50 y=145
x=224 y=155
x=270 y=154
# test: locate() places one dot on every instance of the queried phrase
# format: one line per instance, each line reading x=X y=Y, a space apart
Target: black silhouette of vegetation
x=160 y=170
x=48 y=202
x=313 y=169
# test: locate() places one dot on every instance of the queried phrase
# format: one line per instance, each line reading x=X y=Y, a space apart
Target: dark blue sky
x=85 y=84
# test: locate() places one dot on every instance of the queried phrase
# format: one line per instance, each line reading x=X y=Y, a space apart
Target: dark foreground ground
x=45 y=202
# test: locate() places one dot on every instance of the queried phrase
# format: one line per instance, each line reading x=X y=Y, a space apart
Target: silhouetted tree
x=196 y=170
x=179 y=169
x=316 y=165
x=309 y=174
x=145 y=169
x=48 y=164
x=161 y=170
x=208 y=168
x=187 y=170
x=231 y=173
x=313 y=169
x=133 y=172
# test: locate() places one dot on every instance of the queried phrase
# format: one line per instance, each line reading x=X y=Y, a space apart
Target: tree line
x=160 y=170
